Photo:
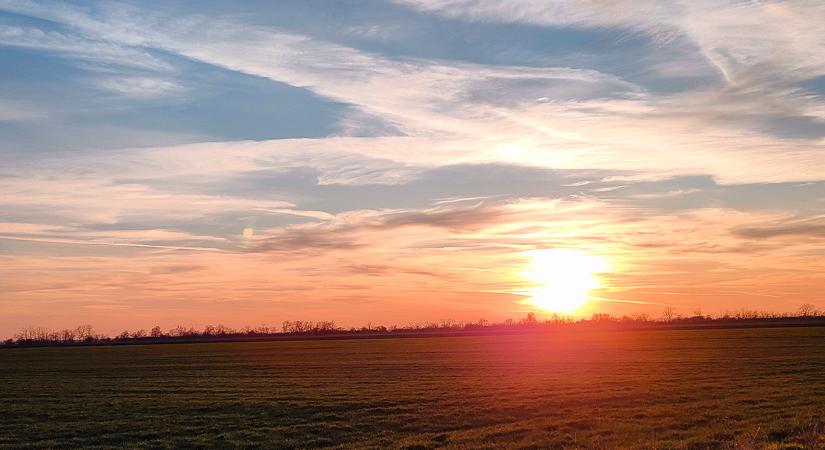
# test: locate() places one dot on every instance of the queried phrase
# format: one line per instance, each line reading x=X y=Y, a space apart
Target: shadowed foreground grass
x=745 y=388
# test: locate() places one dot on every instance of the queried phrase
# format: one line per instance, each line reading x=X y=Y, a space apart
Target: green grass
x=740 y=388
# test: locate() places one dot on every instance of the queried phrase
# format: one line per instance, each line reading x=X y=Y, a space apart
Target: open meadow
x=735 y=388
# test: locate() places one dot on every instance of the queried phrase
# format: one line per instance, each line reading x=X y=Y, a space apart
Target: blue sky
x=683 y=142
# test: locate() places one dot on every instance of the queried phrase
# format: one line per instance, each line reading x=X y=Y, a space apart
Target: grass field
x=739 y=388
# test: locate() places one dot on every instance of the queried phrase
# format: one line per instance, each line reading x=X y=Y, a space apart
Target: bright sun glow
x=563 y=278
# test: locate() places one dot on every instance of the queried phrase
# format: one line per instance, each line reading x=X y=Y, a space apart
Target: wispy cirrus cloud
x=462 y=104
x=80 y=47
x=810 y=228
x=689 y=153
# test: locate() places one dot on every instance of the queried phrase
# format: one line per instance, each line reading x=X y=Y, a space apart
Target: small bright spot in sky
x=248 y=232
x=561 y=279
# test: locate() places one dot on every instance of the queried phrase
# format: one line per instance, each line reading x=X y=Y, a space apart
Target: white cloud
x=90 y=50
x=552 y=117
x=140 y=87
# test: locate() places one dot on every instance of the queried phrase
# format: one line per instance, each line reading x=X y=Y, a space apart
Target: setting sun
x=561 y=279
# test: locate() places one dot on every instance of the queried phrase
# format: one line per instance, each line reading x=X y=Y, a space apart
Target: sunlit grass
x=700 y=389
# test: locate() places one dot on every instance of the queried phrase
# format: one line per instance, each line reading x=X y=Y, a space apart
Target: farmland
x=659 y=389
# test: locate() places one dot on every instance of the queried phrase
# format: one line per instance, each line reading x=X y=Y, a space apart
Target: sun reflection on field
x=561 y=279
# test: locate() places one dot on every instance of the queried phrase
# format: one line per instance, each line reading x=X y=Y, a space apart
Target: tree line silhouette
x=807 y=315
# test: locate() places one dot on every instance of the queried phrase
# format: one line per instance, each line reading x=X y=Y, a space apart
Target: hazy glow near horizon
x=563 y=278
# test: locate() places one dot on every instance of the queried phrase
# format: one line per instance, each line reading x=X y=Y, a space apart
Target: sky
x=395 y=162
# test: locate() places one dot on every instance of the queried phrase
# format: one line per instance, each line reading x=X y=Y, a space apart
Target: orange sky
x=400 y=268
